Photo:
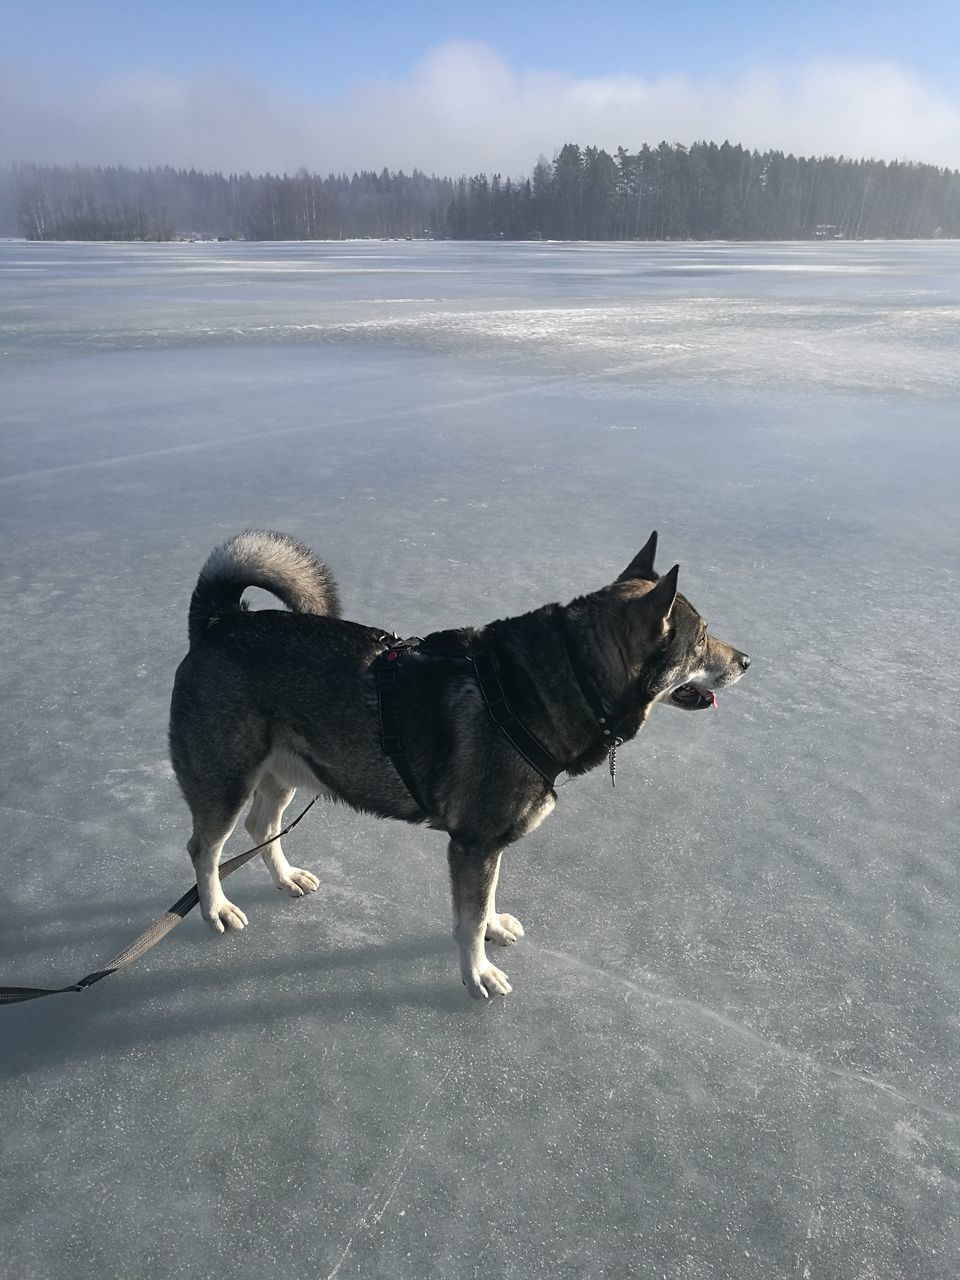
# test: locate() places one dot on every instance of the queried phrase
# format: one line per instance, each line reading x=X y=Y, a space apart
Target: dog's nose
x=744 y=660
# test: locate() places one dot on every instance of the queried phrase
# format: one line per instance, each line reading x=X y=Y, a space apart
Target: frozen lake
x=732 y=1046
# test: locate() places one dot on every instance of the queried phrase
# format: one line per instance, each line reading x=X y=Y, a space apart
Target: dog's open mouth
x=690 y=697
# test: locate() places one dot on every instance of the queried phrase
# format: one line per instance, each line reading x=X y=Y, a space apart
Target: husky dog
x=272 y=700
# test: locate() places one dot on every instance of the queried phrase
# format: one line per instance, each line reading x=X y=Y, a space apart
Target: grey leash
x=150 y=936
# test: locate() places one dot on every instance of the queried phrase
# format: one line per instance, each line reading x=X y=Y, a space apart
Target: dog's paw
x=224 y=917
x=298 y=882
x=486 y=981
x=504 y=929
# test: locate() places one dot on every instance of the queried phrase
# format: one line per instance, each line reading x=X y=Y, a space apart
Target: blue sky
x=467 y=86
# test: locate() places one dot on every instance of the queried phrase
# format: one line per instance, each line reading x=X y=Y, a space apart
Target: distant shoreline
x=671 y=193
x=716 y=240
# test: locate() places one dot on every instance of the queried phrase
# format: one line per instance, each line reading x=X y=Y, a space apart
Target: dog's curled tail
x=260 y=558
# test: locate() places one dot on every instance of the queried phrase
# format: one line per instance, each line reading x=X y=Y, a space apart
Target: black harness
x=442 y=645
x=386 y=668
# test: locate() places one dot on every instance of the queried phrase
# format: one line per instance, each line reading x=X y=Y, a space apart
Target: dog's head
x=682 y=664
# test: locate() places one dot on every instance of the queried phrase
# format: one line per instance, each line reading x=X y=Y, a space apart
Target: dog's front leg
x=501 y=927
x=473 y=878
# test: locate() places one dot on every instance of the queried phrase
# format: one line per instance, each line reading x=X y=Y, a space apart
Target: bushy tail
x=260 y=558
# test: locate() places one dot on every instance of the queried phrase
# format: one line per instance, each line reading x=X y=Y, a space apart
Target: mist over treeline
x=669 y=192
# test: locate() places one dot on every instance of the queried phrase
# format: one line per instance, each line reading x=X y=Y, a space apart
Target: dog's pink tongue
x=713 y=698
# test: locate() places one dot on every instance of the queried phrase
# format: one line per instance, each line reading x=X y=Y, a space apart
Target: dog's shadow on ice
x=160 y=1000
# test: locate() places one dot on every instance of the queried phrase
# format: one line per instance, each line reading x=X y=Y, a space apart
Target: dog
x=481 y=719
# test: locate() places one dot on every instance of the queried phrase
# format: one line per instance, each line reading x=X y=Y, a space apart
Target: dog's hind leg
x=204 y=846
x=501 y=927
x=264 y=820
x=473 y=878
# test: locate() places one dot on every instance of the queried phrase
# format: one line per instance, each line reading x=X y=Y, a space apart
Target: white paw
x=298 y=882
x=225 y=917
x=503 y=929
x=485 y=981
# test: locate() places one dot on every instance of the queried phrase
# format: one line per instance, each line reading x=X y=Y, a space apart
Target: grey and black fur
x=267 y=701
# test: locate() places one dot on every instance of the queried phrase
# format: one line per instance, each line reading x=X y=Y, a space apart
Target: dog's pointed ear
x=661 y=599
x=641 y=566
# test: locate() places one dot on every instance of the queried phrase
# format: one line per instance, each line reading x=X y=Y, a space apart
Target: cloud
x=463 y=108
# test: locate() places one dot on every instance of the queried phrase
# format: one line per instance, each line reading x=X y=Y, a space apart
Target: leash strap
x=150 y=936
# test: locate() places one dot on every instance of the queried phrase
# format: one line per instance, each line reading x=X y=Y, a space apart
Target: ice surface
x=732 y=1047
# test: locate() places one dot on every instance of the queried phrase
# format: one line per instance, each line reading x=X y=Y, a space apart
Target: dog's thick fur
x=271 y=700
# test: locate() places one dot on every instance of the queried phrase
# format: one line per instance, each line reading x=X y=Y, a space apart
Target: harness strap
x=385 y=669
x=386 y=666
x=532 y=750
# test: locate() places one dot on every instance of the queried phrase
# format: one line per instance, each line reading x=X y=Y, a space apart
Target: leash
x=150 y=936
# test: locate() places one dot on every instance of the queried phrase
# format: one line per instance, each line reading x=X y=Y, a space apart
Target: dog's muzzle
x=697 y=697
